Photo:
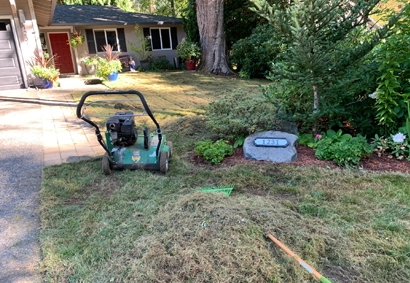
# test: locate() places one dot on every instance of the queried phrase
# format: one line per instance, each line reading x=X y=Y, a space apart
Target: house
x=30 y=25
x=102 y=25
x=19 y=38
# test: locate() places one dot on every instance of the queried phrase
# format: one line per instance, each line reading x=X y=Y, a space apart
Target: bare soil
x=306 y=157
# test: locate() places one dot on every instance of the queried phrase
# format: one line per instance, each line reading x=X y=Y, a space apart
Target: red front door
x=62 y=52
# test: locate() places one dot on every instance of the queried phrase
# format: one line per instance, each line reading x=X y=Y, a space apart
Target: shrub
x=213 y=152
x=188 y=50
x=342 y=148
x=237 y=115
x=253 y=55
x=159 y=63
x=393 y=92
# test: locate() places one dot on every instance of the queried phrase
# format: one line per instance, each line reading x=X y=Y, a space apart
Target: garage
x=10 y=72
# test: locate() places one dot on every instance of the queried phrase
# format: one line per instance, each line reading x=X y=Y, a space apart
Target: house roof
x=76 y=15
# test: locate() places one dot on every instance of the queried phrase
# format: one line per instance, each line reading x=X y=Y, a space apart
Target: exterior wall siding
x=82 y=51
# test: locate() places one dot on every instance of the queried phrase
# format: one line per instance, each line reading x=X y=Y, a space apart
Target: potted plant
x=190 y=52
x=42 y=66
x=47 y=75
x=108 y=67
x=142 y=48
x=90 y=64
x=76 y=39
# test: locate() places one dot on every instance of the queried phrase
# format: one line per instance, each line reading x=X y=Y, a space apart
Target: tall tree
x=316 y=33
x=210 y=17
x=172 y=8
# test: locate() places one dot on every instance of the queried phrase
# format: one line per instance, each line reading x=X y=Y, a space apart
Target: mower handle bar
x=116 y=92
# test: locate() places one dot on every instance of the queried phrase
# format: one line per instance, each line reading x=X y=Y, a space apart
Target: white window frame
x=160 y=38
x=106 y=40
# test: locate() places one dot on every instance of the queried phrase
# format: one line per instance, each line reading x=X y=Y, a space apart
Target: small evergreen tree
x=316 y=34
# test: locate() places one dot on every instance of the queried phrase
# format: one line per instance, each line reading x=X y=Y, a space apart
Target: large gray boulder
x=273 y=154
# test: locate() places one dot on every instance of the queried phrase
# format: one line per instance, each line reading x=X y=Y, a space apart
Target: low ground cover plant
x=214 y=152
x=394 y=146
x=343 y=149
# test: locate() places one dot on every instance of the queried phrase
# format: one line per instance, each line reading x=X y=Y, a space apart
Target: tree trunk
x=210 y=15
x=173 y=8
x=316 y=103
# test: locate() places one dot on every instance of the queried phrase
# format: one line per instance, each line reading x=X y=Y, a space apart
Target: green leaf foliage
x=342 y=148
x=213 y=152
x=159 y=63
x=320 y=48
x=253 y=55
x=387 y=146
x=238 y=114
x=393 y=91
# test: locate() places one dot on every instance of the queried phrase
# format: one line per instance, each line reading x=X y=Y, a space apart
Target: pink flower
x=318 y=136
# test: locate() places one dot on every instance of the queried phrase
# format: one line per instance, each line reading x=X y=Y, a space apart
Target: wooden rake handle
x=306 y=266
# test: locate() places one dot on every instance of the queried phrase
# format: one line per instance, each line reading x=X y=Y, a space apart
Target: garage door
x=10 y=73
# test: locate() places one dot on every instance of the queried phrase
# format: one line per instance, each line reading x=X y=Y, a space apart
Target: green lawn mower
x=124 y=147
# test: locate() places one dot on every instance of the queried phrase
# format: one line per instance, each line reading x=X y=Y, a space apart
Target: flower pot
x=190 y=65
x=91 y=69
x=46 y=83
x=113 y=76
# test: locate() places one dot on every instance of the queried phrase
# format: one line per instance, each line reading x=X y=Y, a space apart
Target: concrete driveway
x=38 y=128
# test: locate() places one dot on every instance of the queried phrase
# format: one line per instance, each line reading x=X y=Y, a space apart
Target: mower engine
x=122 y=129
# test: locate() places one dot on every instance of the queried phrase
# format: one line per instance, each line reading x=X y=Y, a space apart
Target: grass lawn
x=385 y=7
x=141 y=226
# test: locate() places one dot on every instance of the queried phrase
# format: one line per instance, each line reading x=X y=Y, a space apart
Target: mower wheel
x=106 y=166
x=169 y=144
x=163 y=162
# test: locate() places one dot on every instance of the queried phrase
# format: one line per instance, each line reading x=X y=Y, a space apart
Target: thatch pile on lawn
x=208 y=237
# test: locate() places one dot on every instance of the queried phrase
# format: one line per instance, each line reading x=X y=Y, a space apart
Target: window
x=97 y=38
x=104 y=37
x=161 y=39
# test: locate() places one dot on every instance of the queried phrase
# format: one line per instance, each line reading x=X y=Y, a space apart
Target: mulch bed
x=306 y=157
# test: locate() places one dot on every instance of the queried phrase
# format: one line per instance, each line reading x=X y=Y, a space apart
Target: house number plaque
x=271 y=142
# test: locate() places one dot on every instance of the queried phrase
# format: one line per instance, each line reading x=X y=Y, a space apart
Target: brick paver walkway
x=66 y=138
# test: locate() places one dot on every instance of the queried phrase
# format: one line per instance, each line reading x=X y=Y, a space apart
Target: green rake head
x=227 y=191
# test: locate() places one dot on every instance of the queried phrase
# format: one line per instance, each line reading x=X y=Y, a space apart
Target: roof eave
x=44 y=11
x=114 y=23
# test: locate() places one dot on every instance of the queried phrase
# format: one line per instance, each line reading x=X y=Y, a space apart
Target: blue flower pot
x=113 y=76
x=46 y=83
